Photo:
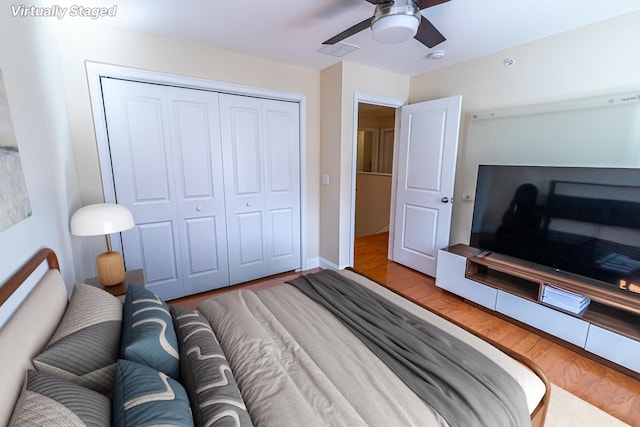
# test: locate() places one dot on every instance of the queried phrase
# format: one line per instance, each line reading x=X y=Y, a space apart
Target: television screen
x=579 y=220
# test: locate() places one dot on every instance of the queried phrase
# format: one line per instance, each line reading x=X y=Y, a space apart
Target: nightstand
x=135 y=277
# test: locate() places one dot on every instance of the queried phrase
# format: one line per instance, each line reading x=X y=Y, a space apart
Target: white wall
x=600 y=59
x=33 y=81
x=81 y=41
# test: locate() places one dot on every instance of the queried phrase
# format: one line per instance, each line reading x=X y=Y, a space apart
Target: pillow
x=46 y=400
x=86 y=344
x=148 y=336
x=205 y=373
x=144 y=396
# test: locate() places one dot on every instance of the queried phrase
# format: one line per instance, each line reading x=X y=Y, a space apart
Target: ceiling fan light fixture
x=395 y=22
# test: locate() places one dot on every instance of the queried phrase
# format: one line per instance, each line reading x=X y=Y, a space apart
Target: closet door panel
x=149 y=169
x=243 y=153
x=197 y=156
x=152 y=239
x=246 y=151
x=251 y=238
x=283 y=232
x=203 y=253
x=139 y=141
x=282 y=198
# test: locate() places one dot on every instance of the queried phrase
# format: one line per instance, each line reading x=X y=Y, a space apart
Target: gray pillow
x=205 y=373
x=47 y=400
x=86 y=344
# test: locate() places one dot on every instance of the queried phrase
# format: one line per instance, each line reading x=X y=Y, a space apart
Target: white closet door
x=262 y=185
x=167 y=168
x=197 y=159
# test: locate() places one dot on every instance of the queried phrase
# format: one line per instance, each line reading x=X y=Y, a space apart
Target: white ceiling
x=292 y=31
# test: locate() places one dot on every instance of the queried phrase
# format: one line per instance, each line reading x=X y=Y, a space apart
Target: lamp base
x=110 y=267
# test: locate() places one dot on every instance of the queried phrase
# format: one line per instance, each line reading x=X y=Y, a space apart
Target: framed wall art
x=14 y=199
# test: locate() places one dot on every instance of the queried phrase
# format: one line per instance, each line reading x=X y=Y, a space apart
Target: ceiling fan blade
x=349 y=32
x=428 y=35
x=423 y=4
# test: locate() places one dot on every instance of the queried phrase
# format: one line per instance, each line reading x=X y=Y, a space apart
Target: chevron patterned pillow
x=46 y=400
x=86 y=344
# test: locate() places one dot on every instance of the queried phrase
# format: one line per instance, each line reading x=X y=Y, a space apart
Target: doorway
x=426 y=140
x=374 y=175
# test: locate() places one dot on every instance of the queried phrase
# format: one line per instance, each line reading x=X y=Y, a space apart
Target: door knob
x=198 y=208
x=445 y=199
x=248 y=204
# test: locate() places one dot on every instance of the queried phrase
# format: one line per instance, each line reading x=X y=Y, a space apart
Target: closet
x=213 y=182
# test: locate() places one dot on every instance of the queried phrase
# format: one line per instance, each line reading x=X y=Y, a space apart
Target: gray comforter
x=462 y=384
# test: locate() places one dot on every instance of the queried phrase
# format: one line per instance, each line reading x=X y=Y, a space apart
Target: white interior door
x=167 y=168
x=262 y=185
x=427 y=150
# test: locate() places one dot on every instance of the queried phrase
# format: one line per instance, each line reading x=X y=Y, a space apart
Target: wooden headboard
x=14 y=282
x=30 y=327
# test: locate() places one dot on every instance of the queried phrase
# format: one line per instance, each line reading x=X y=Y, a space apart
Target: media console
x=609 y=327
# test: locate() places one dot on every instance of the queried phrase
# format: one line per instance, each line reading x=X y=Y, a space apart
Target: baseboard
x=328 y=265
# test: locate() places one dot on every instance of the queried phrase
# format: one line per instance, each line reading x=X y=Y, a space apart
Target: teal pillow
x=143 y=396
x=148 y=336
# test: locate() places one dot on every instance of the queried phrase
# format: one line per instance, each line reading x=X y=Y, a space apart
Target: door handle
x=445 y=199
x=198 y=208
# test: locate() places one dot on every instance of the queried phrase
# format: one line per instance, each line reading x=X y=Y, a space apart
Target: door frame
x=386 y=102
x=95 y=71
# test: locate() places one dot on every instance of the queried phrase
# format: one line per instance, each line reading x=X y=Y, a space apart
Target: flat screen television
x=579 y=220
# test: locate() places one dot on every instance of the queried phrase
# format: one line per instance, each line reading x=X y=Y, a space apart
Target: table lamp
x=104 y=218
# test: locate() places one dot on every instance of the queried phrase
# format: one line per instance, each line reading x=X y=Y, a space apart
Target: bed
x=275 y=357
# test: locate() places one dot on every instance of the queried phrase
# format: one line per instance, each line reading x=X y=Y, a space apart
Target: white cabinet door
x=450 y=276
x=167 y=168
x=617 y=348
x=561 y=325
x=262 y=185
x=427 y=152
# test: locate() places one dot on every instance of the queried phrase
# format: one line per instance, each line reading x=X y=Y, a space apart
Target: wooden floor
x=605 y=388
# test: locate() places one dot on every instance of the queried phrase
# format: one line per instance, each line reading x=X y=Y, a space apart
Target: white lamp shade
x=103 y=218
x=395 y=28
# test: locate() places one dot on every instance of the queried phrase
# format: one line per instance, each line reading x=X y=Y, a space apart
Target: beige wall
x=331 y=113
x=33 y=82
x=373 y=201
x=600 y=59
x=337 y=151
x=79 y=43
x=386 y=122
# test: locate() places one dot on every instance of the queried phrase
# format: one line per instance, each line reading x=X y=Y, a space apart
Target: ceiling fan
x=396 y=21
